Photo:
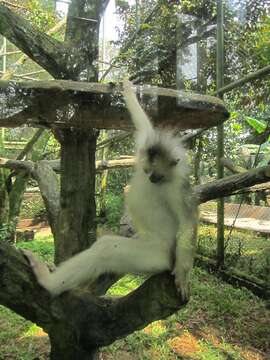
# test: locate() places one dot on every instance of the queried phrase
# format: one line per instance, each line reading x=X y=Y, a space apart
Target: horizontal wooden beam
x=63 y=103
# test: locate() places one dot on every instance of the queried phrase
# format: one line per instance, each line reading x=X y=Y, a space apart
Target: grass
x=220 y=322
x=245 y=250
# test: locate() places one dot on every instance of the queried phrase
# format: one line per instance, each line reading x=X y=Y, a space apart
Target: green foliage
x=115 y=206
x=6 y=231
x=41 y=246
x=261 y=40
x=32 y=208
x=257 y=124
x=43 y=17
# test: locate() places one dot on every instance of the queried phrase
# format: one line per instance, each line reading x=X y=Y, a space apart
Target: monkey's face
x=158 y=164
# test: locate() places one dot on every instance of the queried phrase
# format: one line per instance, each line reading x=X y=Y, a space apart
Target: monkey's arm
x=139 y=117
x=185 y=243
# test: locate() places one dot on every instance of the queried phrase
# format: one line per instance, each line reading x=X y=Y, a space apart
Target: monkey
x=162 y=210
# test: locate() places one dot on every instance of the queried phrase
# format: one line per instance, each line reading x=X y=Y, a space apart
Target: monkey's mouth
x=156 y=178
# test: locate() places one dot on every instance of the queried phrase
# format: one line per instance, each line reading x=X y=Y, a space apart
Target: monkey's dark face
x=158 y=164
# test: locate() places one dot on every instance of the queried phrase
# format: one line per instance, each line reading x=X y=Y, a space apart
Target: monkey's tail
x=139 y=117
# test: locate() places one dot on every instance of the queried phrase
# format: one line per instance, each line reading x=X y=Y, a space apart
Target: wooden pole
x=220 y=131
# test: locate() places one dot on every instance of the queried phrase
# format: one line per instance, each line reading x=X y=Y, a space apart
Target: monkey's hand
x=182 y=276
x=40 y=269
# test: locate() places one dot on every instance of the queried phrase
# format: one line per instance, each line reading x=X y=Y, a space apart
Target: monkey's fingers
x=39 y=268
x=183 y=290
x=182 y=284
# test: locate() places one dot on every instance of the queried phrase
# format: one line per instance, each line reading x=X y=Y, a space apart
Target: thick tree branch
x=50 y=192
x=47 y=181
x=18 y=288
x=92 y=319
x=231 y=184
x=44 y=50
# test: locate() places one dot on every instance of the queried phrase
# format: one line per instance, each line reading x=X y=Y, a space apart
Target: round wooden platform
x=63 y=103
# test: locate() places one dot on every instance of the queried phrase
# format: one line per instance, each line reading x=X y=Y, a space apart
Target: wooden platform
x=64 y=103
x=250 y=217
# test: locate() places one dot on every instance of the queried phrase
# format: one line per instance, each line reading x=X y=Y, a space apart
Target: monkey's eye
x=174 y=162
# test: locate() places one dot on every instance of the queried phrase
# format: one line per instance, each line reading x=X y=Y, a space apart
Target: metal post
x=220 y=131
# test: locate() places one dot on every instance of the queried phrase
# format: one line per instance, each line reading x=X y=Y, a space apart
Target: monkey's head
x=160 y=157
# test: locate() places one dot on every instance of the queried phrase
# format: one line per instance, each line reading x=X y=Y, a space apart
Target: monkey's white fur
x=160 y=204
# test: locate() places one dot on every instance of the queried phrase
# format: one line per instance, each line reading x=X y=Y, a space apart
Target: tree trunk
x=77 y=217
x=65 y=346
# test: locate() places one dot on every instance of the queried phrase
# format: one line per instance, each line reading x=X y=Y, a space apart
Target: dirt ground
x=41 y=228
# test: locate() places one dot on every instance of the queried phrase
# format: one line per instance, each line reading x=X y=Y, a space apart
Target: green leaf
x=258 y=125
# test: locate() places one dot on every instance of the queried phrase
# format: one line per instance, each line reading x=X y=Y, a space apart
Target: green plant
x=115 y=205
x=6 y=232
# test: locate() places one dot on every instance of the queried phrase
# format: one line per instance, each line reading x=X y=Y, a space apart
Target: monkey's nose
x=156 y=178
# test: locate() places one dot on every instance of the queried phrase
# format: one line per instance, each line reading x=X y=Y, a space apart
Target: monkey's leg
x=185 y=248
x=109 y=254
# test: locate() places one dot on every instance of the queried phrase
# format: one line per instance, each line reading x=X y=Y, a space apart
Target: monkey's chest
x=151 y=213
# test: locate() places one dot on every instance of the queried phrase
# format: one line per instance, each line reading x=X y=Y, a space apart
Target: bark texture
x=43 y=49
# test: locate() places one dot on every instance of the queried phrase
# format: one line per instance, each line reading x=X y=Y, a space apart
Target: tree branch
x=43 y=49
x=18 y=289
x=47 y=181
x=29 y=146
x=231 y=184
x=50 y=192
x=92 y=319
x=235 y=169
x=30 y=167
x=102 y=165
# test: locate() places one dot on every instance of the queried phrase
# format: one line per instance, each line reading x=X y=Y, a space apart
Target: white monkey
x=163 y=213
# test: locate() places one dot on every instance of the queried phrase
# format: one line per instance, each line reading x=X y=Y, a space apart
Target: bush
x=114 y=205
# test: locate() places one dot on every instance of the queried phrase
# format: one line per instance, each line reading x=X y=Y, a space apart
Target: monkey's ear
x=174 y=162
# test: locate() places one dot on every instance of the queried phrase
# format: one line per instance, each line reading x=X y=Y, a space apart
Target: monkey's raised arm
x=139 y=117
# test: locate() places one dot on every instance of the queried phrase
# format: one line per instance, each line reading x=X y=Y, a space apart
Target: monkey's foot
x=40 y=269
